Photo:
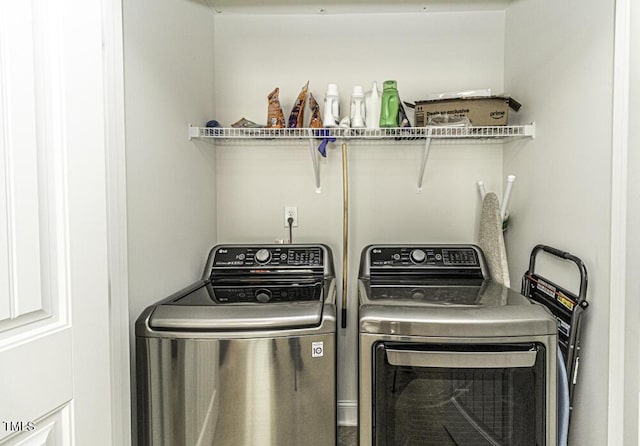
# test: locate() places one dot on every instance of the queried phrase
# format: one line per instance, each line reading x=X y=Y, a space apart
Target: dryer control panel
x=435 y=257
x=428 y=259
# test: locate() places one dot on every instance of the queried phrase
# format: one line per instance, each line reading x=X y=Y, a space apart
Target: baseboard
x=347 y=413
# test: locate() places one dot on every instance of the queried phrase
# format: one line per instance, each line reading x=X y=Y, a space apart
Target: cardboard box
x=491 y=110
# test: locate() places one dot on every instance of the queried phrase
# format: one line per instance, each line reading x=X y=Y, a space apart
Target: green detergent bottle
x=390 y=104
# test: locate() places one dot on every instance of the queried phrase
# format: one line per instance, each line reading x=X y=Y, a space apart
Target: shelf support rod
x=316 y=166
x=425 y=156
x=345 y=231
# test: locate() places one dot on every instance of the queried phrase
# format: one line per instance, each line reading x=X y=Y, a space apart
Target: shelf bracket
x=193 y=132
x=314 y=162
x=425 y=156
x=530 y=130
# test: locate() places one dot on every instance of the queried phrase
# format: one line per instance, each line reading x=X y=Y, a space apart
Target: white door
x=55 y=372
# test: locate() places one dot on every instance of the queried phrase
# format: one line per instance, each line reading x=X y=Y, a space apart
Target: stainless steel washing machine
x=449 y=357
x=245 y=356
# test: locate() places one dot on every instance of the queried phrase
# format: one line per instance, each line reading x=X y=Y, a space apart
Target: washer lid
x=198 y=310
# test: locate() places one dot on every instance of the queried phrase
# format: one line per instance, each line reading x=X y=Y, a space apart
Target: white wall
x=632 y=352
x=171 y=201
x=559 y=62
x=424 y=53
x=170 y=180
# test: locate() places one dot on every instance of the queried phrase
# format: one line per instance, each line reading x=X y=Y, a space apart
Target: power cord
x=290 y=221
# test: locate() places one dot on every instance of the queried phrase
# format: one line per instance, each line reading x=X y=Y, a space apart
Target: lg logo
x=317 y=349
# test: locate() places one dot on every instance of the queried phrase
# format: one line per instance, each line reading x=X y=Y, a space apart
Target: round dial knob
x=262 y=255
x=418 y=256
x=263 y=296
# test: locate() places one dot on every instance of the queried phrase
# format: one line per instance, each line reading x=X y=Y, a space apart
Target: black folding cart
x=565 y=305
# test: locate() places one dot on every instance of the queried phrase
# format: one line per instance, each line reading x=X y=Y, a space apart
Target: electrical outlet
x=291 y=211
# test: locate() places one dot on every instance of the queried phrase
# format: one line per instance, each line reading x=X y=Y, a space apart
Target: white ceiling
x=350 y=6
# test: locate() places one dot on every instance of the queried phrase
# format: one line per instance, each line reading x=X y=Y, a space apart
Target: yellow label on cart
x=565 y=301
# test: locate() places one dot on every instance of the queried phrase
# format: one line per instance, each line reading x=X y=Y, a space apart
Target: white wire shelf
x=426 y=136
x=438 y=134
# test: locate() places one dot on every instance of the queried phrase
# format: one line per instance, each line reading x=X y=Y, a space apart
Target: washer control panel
x=427 y=256
x=268 y=256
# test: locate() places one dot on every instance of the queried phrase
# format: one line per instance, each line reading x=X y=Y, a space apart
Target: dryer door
x=443 y=395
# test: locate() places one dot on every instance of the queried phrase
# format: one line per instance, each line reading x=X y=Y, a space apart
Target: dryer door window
x=459 y=395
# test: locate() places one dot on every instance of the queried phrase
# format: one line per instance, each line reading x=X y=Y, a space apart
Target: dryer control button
x=418 y=256
x=263 y=296
x=262 y=255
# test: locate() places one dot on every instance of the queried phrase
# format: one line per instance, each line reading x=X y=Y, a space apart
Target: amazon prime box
x=481 y=111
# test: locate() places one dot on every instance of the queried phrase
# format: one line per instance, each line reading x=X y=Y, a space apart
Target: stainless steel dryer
x=448 y=357
x=245 y=356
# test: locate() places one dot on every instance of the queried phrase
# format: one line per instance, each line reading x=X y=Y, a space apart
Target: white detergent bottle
x=357 y=112
x=372 y=101
x=331 y=116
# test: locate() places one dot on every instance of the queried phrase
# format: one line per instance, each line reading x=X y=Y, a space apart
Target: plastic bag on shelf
x=482 y=92
x=449 y=120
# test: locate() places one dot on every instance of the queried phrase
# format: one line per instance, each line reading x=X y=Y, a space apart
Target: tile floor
x=347 y=435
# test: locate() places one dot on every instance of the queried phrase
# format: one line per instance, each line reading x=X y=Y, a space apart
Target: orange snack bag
x=275 y=117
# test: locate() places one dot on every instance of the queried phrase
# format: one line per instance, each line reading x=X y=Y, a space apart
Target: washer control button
x=262 y=255
x=418 y=256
